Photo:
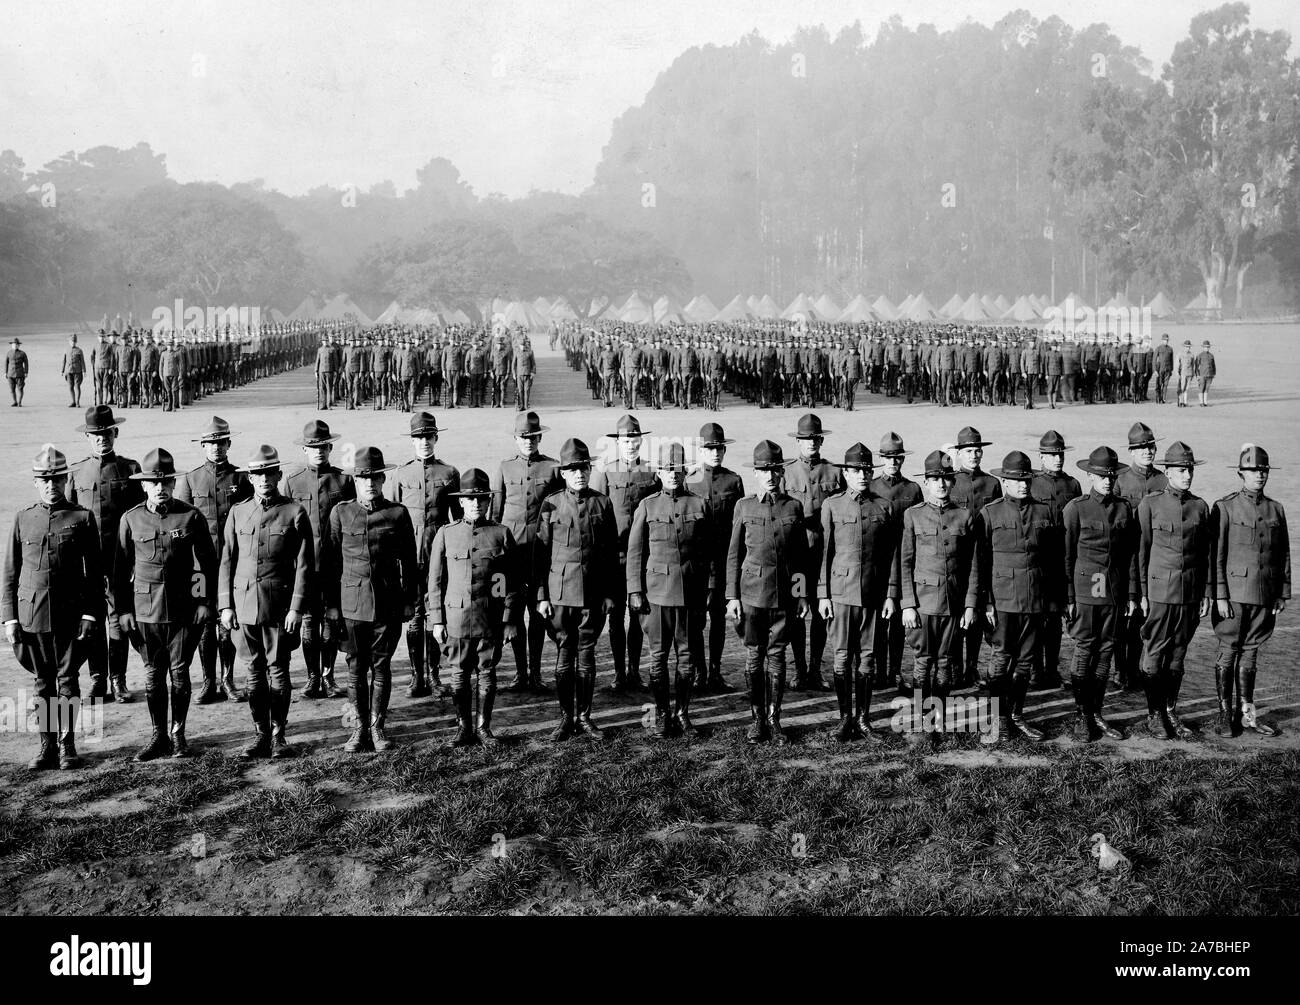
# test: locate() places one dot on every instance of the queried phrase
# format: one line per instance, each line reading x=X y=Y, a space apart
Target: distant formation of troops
x=256 y=561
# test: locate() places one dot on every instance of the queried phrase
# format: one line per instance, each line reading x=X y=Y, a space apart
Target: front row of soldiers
x=365 y=573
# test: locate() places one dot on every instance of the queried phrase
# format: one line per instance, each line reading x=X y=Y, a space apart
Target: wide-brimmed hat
x=1141 y=435
x=370 y=462
x=217 y=429
x=1252 y=458
x=938 y=464
x=857 y=456
x=316 y=434
x=528 y=424
x=50 y=462
x=1052 y=442
x=474 y=482
x=768 y=456
x=424 y=424
x=17 y=341
x=1102 y=461
x=158 y=465
x=574 y=454
x=99 y=419
x=628 y=425
x=1179 y=455
x=265 y=458
x=809 y=426
x=891 y=445
x=711 y=435
x=672 y=457
x=1015 y=465
x=970 y=437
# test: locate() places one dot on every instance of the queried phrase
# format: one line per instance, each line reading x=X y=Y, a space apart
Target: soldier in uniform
x=1185 y=370
x=579 y=582
x=476 y=574
x=937 y=580
x=1163 y=364
x=73 y=369
x=1205 y=372
x=524 y=365
x=1020 y=545
x=626 y=479
x=51 y=596
x=1251 y=585
x=1101 y=584
x=427 y=487
x=102 y=483
x=1139 y=479
x=672 y=567
x=974 y=489
x=266 y=582
x=859 y=536
x=318 y=488
x=609 y=364
x=1056 y=488
x=886 y=656
x=213 y=488
x=149 y=395
x=371 y=583
x=522 y=483
x=1174 y=560
x=768 y=548
x=324 y=376
x=99 y=360
x=162 y=604
x=355 y=363
x=851 y=371
x=16 y=372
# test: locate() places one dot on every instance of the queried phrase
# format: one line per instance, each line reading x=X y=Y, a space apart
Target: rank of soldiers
x=248 y=564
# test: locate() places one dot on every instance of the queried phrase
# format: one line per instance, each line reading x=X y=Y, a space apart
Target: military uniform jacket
x=268 y=561
x=1020 y=545
x=902 y=492
x=475 y=578
x=319 y=490
x=672 y=553
x=52 y=572
x=525 y=363
x=938 y=560
x=149 y=358
x=769 y=548
x=1163 y=359
x=1186 y=365
x=1132 y=485
x=213 y=489
x=626 y=485
x=576 y=553
x=859 y=548
x=974 y=490
x=519 y=488
x=154 y=574
x=104 y=486
x=367 y=562
x=74 y=361
x=1204 y=364
x=16 y=364
x=812 y=484
x=1101 y=538
x=1174 y=556
x=325 y=359
x=1252 y=550
x=1055 y=490
x=424 y=488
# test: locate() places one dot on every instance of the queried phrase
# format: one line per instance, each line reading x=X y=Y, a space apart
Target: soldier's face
x=629 y=448
x=1143 y=457
x=528 y=445
x=856 y=479
x=1180 y=478
x=1052 y=463
x=810 y=448
x=1015 y=488
x=1103 y=485
x=671 y=479
x=938 y=489
x=892 y=466
x=317 y=456
x=713 y=455
x=102 y=443
x=423 y=446
x=216 y=450
x=1254 y=481
x=264 y=483
x=970 y=457
x=577 y=478
x=769 y=480
x=50 y=490
x=369 y=489
x=472 y=507
x=157 y=493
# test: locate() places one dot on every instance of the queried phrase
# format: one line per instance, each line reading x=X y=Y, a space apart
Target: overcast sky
x=518 y=95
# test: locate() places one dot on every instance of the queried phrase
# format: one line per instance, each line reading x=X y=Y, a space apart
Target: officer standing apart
x=73 y=369
x=474 y=582
x=769 y=547
x=1252 y=583
x=672 y=567
x=1174 y=559
x=162 y=604
x=371 y=583
x=51 y=595
x=266 y=582
x=16 y=372
x=579 y=582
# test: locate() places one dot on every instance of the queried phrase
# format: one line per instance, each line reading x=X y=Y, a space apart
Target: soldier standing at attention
x=1185 y=371
x=1174 y=560
x=148 y=374
x=476 y=564
x=974 y=489
x=99 y=362
x=722 y=487
x=51 y=596
x=768 y=548
x=1138 y=480
x=213 y=488
x=521 y=485
x=318 y=488
x=524 y=364
x=1023 y=580
x=73 y=369
x=16 y=372
x=324 y=376
x=673 y=565
x=266 y=581
x=371 y=584
x=1163 y=364
x=626 y=479
x=427 y=487
x=579 y=582
x=886 y=660
x=162 y=605
x=1252 y=583
x=1204 y=373
x=1056 y=488
x=1101 y=583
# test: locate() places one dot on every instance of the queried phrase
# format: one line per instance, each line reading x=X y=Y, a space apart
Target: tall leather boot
x=1173 y=686
x=418 y=686
x=716 y=683
x=756 y=678
x=537 y=637
x=1225 y=678
x=682 y=713
x=862 y=728
x=48 y=756
x=487 y=698
x=1158 y=726
x=228 y=683
x=380 y=690
x=465 y=735
x=776 y=690
x=279 y=720
x=259 y=704
x=519 y=646
x=565 y=683
x=159 y=745
x=210 y=694
x=845 y=731
x=432 y=661
x=1247 y=667
x=118 y=650
x=587 y=690
x=180 y=702
x=328 y=653
x=1099 y=688
x=1019 y=690
x=311 y=656
x=663 y=709
x=1085 y=728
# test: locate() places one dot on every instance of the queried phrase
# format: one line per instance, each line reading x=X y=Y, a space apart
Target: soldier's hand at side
x=1279 y=606
x=1071 y=611
x=1146 y=607
x=991 y=616
x=202 y=613
x=544 y=609
x=1224 y=608
x=1131 y=609
x=440 y=634
x=826 y=609
x=333 y=614
x=228 y=621
x=608 y=605
x=11 y=632
x=890 y=608
x=1204 y=609
x=292 y=621
x=636 y=602
x=127 y=623
x=912 y=619
x=510 y=632
x=801 y=608
x=733 y=610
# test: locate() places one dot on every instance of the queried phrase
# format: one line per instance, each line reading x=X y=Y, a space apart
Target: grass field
x=643 y=827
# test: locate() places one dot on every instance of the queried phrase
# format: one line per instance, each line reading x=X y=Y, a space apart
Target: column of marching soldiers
x=800 y=364
x=254 y=562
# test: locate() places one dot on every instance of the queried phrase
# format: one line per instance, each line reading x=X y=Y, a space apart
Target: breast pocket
x=661 y=528
x=146 y=545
